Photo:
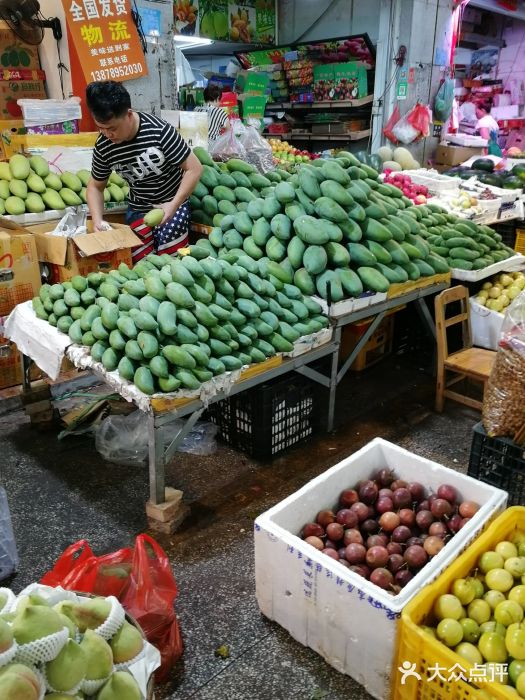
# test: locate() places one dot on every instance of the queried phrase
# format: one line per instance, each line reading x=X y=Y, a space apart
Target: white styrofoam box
x=516 y=262
x=29 y=219
x=506 y=111
x=485 y=325
x=346 y=306
x=310 y=342
x=461 y=139
x=325 y=606
x=435 y=182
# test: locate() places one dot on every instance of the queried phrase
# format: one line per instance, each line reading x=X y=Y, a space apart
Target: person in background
x=154 y=160
x=217 y=117
x=486 y=123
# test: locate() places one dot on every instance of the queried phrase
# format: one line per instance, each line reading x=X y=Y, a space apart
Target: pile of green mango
x=333 y=228
x=173 y=323
x=28 y=186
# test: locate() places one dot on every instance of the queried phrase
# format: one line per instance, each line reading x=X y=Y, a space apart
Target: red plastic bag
x=394 y=118
x=105 y=575
x=420 y=117
x=149 y=598
x=78 y=569
x=73 y=556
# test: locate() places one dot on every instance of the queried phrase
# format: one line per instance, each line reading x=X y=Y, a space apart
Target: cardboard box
x=351 y=622
x=455 y=155
x=14 y=53
x=19 y=268
x=8 y=129
x=10 y=364
x=19 y=281
x=13 y=90
x=90 y=252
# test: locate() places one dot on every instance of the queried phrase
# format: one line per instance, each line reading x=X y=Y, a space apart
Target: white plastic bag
x=258 y=150
x=229 y=145
x=124 y=439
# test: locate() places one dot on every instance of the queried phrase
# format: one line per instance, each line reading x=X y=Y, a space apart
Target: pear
x=18 y=682
x=69 y=668
x=35 y=622
x=91 y=614
x=126 y=643
x=67 y=622
x=6 y=636
x=3 y=600
x=32 y=599
x=99 y=656
x=121 y=686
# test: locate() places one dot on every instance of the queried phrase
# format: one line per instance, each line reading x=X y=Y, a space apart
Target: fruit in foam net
x=69 y=668
x=18 y=682
x=91 y=614
x=35 y=622
x=98 y=655
x=126 y=644
x=3 y=600
x=121 y=686
x=6 y=636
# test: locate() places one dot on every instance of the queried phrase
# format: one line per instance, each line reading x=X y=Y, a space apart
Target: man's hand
x=101 y=226
x=169 y=209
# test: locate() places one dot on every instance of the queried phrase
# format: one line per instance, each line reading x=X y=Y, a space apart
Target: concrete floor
x=60 y=492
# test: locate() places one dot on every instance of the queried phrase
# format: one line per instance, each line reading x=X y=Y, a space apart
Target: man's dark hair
x=212 y=92
x=107 y=100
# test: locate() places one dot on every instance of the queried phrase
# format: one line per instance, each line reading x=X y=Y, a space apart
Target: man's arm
x=95 y=201
x=192 y=170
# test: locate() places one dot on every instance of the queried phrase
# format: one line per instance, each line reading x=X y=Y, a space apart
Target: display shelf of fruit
x=334 y=229
x=28 y=187
x=66 y=645
x=286 y=155
x=417 y=193
x=499 y=292
x=462 y=203
x=170 y=324
x=386 y=529
x=473 y=615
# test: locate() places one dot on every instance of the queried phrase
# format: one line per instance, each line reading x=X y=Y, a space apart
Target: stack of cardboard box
x=19 y=281
x=20 y=74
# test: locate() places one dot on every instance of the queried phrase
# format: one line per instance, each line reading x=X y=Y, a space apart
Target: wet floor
x=60 y=492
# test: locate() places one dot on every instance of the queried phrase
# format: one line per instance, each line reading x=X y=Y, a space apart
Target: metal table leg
x=156 y=461
x=26 y=372
x=426 y=316
x=333 y=382
x=158 y=457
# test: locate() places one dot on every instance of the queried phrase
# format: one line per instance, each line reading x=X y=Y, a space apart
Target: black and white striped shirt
x=217 y=120
x=149 y=162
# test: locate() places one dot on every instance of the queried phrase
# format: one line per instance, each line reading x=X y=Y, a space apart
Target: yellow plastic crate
x=519 y=246
x=425 y=654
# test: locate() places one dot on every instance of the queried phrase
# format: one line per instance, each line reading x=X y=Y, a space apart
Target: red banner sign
x=106 y=39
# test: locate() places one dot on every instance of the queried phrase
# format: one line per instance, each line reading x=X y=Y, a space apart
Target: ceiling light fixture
x=188 y=42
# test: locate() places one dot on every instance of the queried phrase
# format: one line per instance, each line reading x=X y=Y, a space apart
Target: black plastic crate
x=507 y=231
x=499 y=462
x=269 y=418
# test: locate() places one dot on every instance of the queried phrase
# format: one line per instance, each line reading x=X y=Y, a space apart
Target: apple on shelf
x=417 y=193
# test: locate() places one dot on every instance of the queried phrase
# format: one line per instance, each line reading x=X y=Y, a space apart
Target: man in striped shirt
x=152 y=157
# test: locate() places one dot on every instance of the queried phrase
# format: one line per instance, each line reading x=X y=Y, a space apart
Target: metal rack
x=162 y=411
